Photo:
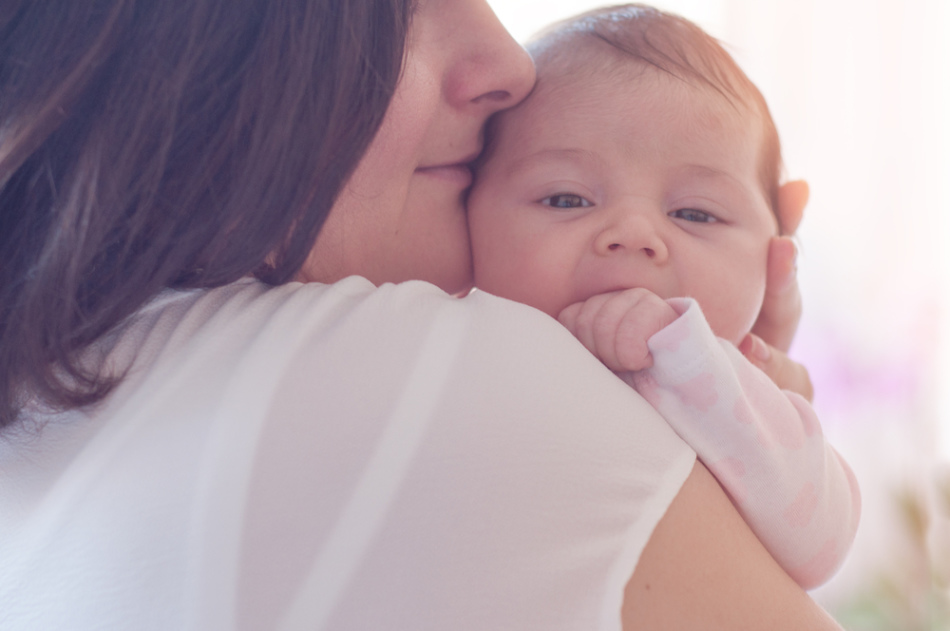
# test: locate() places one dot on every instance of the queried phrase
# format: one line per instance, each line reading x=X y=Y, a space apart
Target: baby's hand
x=615 y=326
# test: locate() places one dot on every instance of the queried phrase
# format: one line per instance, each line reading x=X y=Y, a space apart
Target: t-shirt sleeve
x=432 y=463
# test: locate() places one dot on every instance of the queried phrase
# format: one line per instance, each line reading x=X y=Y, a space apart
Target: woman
x=326 y=454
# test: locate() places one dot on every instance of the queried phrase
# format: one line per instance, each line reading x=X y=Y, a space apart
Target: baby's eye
x=691 y=214
x=566 y=200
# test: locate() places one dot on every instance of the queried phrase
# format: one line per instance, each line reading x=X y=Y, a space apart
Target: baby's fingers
x=618 y=330
x=578 y=318
x=615 y=326
x=639 y=323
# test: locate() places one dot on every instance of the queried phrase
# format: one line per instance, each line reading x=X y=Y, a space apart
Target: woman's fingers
x=772 y=335
x=782 y=306
x=785 y=372
x=792 y=199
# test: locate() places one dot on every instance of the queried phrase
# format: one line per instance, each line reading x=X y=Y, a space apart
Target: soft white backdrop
x=860 y=91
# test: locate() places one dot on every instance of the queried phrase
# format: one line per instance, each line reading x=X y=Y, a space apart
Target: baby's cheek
x=512 y=260
x=540 y=286
x=731 y=314
x=511 y=273
x=490 y=250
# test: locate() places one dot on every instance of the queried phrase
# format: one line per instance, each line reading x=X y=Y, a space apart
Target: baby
x=632 y=195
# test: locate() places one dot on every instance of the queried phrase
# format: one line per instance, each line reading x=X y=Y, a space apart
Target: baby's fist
x=615 y=326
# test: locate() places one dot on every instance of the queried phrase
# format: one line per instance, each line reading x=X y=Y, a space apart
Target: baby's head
x=644 y=157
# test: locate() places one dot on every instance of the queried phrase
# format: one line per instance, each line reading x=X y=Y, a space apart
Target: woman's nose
x=497 y=71
x=632 y=234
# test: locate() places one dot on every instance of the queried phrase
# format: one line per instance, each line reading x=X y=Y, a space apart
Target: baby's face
x=600 y=184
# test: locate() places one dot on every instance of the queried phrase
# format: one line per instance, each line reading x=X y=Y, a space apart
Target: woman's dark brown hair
x=147 y=144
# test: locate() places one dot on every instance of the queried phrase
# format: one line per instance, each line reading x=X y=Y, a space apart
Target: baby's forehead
x=568 y=91
x=564 y=58
x=631 y=111
x=586 y=65
x=617 y=90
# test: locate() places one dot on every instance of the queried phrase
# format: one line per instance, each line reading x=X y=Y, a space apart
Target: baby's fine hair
x=670 y=44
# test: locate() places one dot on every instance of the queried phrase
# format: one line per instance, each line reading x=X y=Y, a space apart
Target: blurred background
x=860 y=91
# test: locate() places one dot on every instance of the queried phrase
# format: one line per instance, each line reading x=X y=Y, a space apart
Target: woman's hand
x=787 y=373
x=767 y=345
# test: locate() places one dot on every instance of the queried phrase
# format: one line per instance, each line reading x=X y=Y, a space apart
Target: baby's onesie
x=765 y=445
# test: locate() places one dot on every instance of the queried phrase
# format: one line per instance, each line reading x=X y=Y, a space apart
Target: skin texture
x=581 y=198
x=401 y=216
x=718 y=577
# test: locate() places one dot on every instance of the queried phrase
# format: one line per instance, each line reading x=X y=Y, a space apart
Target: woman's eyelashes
x=566 y=200
x=693 y=215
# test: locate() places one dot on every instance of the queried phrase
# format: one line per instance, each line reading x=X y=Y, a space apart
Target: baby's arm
x=764 y=445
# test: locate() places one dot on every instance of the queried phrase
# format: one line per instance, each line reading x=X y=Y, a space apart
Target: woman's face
x=401 y=215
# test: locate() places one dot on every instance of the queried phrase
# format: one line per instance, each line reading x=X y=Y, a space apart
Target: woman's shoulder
x=352 y=309
x=248 y=297
x=352 y=328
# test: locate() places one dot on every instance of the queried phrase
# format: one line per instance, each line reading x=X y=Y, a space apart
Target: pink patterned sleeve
x=764 y=445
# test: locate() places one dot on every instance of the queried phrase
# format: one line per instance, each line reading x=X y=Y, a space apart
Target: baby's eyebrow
x=721 y=177
x=711 y=173
x=702 y=170
x=553 y=154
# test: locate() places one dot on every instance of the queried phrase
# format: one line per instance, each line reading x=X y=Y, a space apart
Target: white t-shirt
x=337 y=457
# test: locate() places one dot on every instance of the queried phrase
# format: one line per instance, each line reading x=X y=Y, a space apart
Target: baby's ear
x=792 y=198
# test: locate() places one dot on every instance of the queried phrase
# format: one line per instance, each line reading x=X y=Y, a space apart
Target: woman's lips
x=460 y=174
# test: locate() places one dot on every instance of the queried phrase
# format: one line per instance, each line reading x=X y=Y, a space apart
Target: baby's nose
x=632 y=234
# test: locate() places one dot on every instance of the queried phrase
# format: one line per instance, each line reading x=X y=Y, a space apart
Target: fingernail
x=760 y=350
x=745 y=346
